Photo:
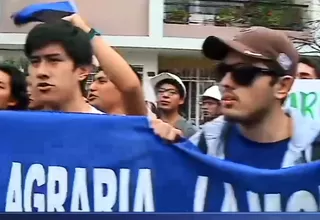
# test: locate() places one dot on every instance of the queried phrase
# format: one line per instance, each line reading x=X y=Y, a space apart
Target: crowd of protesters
x=244 y=113
x=61 y=57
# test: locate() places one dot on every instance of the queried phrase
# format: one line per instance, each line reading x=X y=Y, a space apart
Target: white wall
x=149 y=59
x=155 y=38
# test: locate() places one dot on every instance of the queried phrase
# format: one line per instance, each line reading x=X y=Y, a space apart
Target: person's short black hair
x=174 y=83
x=74 y=41
x=310 y=62
x=98 y=69
x=18 y=84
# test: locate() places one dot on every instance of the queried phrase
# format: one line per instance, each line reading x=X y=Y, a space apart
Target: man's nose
x=227 y=82
x=204 y=106
x=165 y=95
x=93 y=86
x=41 y=71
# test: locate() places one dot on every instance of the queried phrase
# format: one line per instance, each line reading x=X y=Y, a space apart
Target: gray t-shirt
x=187 y=128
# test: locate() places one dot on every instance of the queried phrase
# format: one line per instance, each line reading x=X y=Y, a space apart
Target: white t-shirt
x=151 y=115
x=95 y=111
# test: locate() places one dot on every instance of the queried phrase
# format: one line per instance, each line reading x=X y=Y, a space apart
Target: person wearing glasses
x=257 y=70
x=171 y=93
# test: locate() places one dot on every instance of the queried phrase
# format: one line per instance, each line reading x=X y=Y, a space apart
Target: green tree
x=272 y=13
x=275 y=14
x=21 y=63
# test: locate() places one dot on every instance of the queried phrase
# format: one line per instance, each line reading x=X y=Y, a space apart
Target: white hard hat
x=213 y=92
x=163 y=76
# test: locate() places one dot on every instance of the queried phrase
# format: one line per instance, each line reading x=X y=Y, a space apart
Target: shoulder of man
x=306 y=135
x=210 y=134
x=186 y=127
x=214 y=128
x=316 y=149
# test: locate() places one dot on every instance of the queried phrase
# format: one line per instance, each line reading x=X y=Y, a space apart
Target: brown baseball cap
x=258 y=42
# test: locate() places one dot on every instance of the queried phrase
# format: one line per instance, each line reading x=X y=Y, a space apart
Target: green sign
x=305 y=96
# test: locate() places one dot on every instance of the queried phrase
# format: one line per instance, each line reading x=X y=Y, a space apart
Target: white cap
x=163 y=76
x=213 y=92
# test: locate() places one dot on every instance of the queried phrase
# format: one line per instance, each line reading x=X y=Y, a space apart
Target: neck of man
x=116 y=110
x=75 y=103
x=170 y=117
x=275 y=126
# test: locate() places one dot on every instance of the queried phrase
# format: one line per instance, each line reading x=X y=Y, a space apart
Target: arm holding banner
x=207 y=140
x=165 y=130
x=118 y=70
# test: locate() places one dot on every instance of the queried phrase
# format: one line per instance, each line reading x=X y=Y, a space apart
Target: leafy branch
x=275 y=14
x=309 y=38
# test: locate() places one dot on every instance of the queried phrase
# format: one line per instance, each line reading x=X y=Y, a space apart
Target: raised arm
x=118 y=70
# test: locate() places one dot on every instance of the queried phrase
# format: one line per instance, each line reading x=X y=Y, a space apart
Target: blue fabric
x=260 y=155
x=27 y=14
x=79 y=152
x=241 y=150
x=300 y=147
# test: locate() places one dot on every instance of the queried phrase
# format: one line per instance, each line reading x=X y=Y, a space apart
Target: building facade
x=166 y=35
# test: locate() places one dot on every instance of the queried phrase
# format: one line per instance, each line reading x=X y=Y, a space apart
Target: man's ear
x=283 y=87
x=182 y=100
x=84 y=72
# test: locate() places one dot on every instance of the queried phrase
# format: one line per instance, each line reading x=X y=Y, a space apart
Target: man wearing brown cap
x=256 y=72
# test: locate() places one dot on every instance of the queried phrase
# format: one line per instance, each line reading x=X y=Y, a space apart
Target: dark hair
x=74 y=41
x=97 y=69
x=18 y=84
x=312 y=64
x=174 y=83
x=136 y=72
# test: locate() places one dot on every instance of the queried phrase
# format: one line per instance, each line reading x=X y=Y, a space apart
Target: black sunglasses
x=243 y=75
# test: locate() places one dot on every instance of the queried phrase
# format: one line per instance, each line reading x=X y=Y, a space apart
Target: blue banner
x=59 y=162
x=166 y=216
